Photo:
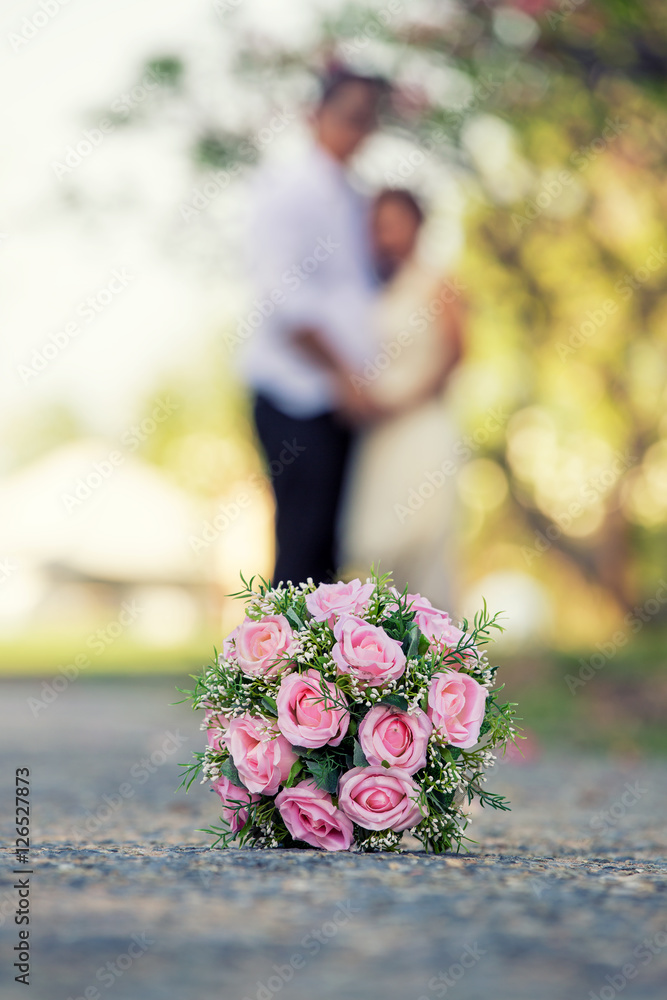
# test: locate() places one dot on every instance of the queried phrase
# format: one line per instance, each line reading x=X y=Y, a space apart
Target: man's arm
x=353 y=403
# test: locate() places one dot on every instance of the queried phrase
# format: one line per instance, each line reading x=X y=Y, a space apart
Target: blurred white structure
x=84 y=528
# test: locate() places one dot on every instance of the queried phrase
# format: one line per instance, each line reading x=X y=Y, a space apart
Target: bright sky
x=61 y=81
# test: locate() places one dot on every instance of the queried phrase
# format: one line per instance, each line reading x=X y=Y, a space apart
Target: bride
x=400 y=503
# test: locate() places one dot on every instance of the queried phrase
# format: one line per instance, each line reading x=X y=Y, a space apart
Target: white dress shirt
x=310 y=265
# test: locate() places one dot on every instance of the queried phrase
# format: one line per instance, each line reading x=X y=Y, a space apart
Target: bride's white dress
x=400 y=504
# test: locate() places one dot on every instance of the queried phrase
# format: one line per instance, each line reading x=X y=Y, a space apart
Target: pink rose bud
x=310 y=712
x=438 y=628
x=446 y=639
x=232 y=797
x=456 y=704
x=429 y=619
x=262 y=756
x=216 y=726
x=380 y=798
x=366 y=652
x=331 y=600
x=392 y=735
x=310 y=815
x=263 y=647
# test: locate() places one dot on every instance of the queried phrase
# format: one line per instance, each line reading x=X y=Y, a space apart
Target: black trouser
x=307 y=461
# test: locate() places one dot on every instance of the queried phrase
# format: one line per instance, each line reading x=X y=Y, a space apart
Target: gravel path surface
x=562 y=898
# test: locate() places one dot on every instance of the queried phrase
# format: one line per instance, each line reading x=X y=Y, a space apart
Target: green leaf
x=228 y=768
x=450 y=754
x=424 y=645
x=410 y=644
x=397 y=700
x=394 y=629
x=386 y=764
x=359 y=758
x=445 y=799
x=191 y=771
x=292 y=778
x=324 y=775
x=293 y=618
x=270 y=704
x=493 y=800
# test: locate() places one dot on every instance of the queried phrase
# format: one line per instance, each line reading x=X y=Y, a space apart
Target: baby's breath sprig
x=370 y=841
x=443 y=830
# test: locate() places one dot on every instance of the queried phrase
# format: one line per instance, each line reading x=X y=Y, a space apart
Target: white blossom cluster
x=269 y=603
x=211 y=765
x=383 y=840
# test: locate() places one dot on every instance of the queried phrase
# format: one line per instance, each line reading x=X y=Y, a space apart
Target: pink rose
x=430 y=620
x=232 y=797
x=331 y=600
x=311 y=816
x=262 y=647
x=438 y=628
x=446 y=637
x=366 y=652
x=380 y=798
x=447 y=642
x=216 y=726
x=456 y=704
x=262 y=757
x=390 y=734
x=305 y=716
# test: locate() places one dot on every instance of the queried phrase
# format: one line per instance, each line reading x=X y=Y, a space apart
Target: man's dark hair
x=339 y=77
x=405 y=198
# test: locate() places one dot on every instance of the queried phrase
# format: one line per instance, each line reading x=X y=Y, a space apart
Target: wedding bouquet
x=342 y=715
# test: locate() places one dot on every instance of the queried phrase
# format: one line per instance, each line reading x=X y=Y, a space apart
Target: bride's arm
x=452 y=333
x=451 y=329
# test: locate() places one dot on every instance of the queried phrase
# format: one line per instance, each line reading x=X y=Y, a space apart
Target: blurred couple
x=354 y=341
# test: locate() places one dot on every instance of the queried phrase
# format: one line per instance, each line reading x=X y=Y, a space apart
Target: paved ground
x=563 y=898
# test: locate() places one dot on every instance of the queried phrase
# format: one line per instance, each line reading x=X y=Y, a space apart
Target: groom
x=314 y=283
